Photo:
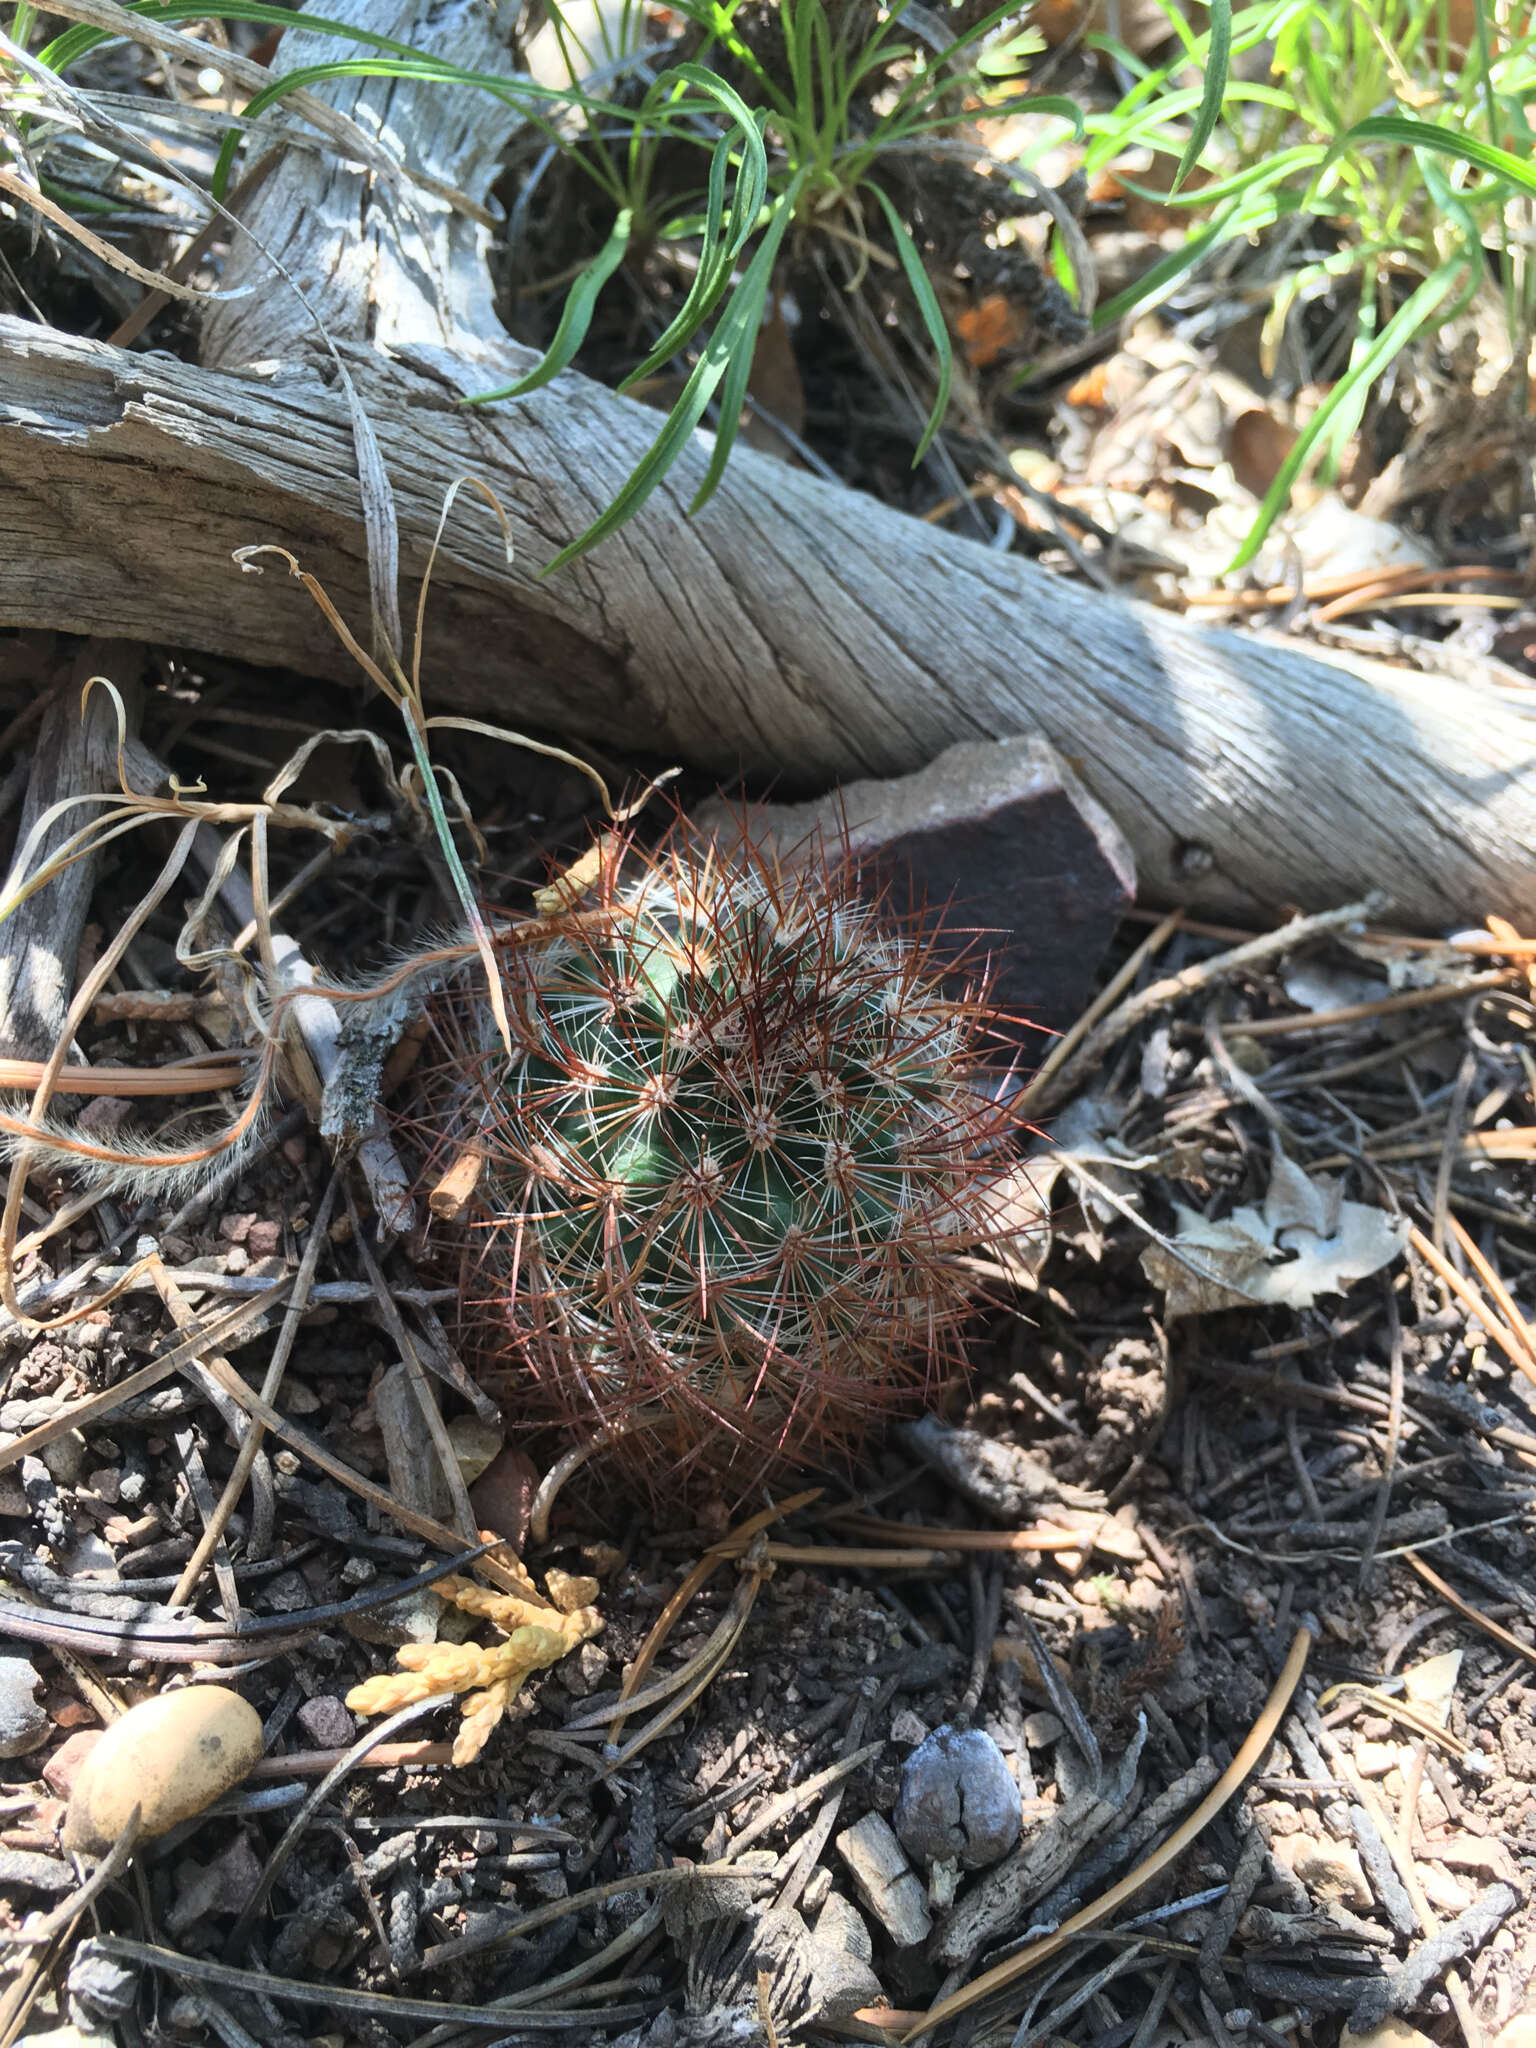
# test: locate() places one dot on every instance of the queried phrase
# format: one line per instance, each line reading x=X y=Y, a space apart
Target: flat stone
x=65 y=1458
x=1330 y=1870
x=36 y=1873
x=24 y=1722
x=1392 y=2033
x=843 y=1976
x=13 y=1502
x=413 y=1618
x=476 y=1446
x=73 y=2037
x=415 y=1470
x=997 y=849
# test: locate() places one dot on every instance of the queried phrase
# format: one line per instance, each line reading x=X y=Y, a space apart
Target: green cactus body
x=728 y=1164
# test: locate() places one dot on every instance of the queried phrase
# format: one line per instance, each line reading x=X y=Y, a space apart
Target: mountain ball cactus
x=726 y=1173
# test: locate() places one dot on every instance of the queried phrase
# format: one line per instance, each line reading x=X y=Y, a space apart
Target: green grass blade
x=1252 y=209
x=516 y=90
x=709 y=280
x=723 y=241
x=75 y=42
x=933 y=319
x=1217 y=63
x=1413 y=315
x=1451 y=142
x=743 y=323
x=575 y=318
x=735 y=335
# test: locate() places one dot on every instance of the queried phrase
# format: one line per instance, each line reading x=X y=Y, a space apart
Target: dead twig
x=1173 y=988
x=54 y=1933
x=272 y=1380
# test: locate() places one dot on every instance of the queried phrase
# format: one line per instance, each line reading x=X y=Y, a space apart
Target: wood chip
x=884 y=1879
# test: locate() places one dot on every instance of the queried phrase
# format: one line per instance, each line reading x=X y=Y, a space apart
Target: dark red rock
x=998 y=851
x=502 y=1497
x=64 y=1766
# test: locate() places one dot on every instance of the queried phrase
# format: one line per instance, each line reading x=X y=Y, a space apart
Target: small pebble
x=65 y=1458
x=169 y=1756
x=326 y=1722
x=958 y=1800
x=66 y=1712
x=24 y=1723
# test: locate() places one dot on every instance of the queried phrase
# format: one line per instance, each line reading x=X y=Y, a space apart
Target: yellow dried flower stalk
x=569 y=1593
x=482 y=1711
x=507 y=1610
x=491 y=1675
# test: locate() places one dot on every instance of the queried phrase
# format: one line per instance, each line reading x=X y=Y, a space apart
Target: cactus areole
x=727 y=1170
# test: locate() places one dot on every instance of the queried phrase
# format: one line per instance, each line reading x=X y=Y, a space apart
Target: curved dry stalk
x=566 y=1468
x=139 y=807
x=203 y=1076
x=697 y=1579
x=700 y=1670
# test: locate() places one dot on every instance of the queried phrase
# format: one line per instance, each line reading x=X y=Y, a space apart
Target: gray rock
x=958 y=1800
x=842 y=1971
x=995 y=847
x=25 y=1869
x=65 y=1457
x=101 y=1990
x=23 y=1724
x=326 y=1722
x=412 y=1619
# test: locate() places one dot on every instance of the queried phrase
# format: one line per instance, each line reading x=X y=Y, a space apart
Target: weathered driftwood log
x=793 y=632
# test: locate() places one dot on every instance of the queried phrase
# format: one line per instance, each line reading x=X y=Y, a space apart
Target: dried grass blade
x=1507 y=1341
x=1489 y=1276
x=1473 y=1614
x=148 y=1376
x=154 y=280
x=697 y=1579
x=321 y=1455
x=184 y=1077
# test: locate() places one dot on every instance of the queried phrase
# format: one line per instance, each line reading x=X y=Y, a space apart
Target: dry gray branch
x=41 y=938
x=793 y=631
